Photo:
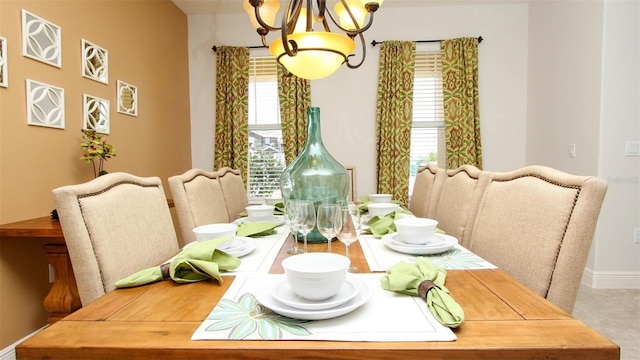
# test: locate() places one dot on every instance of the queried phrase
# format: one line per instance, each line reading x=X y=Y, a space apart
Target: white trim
x=9 y=353
x=611 y=279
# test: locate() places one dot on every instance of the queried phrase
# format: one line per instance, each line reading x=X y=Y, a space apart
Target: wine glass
x=350 y=230
x=290 y=214
x=329 y=221
x=305 y=218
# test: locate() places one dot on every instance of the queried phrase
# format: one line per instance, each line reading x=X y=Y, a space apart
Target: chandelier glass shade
x=307 y=52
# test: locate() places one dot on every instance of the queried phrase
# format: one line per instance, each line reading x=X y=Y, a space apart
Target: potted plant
x=95 y=147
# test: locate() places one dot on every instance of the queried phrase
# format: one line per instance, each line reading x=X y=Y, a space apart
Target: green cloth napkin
x=383 y=225
x=258 y=228
x=200 y=261
x=279 y=210
x=409 y=278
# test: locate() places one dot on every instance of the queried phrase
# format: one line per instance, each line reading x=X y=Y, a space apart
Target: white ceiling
x=210 y=7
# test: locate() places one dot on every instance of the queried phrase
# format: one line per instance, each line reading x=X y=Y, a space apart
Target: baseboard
x=611 y=279
x=9 y=353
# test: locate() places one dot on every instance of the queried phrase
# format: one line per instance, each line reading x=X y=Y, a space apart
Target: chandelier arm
x=263 y=24
x=364 y=54
x=322 y=6
x=309 y=19
x=293 y=15
x=352 y=32
x=290 y=46
x=325 y=24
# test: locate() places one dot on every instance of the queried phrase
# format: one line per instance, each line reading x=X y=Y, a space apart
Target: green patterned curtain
x=394 y=116
x=295 y=98
x=232 y=110
x=461 y=108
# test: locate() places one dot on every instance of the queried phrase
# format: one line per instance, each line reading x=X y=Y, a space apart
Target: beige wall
x=147 y=45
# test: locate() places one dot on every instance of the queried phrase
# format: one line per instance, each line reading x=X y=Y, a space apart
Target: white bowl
x=260 y=212
x=215 y=231
x=380 y=198
x=414 y=230
x=382 y=209
x=316 y=276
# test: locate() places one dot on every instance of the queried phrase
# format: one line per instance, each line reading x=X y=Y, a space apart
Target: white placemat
x=380 y=257
x=261 y=259
x=386 y=316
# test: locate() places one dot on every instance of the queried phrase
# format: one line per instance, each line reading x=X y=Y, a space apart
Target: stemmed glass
x=350 y=230
x=329 y=221
x=289 y=216
x=305 y=218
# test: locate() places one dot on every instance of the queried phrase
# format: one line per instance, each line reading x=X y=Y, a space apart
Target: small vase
x=314 y=174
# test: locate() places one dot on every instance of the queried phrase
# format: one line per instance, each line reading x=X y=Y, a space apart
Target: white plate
x=240 y=246
x=436 y=241
x=276 y=218
x=285 y=294
x=265 y=297
x=396 y=245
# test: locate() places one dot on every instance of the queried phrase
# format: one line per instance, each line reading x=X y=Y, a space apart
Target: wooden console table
x=63 y=298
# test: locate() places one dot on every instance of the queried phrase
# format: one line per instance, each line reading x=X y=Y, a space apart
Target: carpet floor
x=613 y=313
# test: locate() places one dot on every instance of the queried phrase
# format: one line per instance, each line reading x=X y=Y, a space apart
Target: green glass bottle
x=314 y=174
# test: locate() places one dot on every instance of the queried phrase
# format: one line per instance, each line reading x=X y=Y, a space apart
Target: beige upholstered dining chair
x=426 y=190
x=114 y=226
x=198 y=199
x=537 y=224
x=457 y=201
x=234 y=191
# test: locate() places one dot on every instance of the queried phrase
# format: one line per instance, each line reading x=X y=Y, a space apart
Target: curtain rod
x=215 y=48
x=374 y=43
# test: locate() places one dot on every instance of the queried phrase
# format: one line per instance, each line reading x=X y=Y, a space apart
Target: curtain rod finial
x=214 y=48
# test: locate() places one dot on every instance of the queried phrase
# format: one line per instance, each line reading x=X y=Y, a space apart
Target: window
x=427 y=131
x=266 y=151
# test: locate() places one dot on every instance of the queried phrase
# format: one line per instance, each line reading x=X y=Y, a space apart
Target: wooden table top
x=504 y=320
x=37 y=228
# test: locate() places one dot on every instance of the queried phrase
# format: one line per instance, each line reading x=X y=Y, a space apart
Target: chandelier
x=307 y=52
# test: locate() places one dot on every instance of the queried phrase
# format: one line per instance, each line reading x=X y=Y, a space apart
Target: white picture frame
x=96 y=114
x=45 y=105
x=95 y=62
x=127 y=99
x=41 y=39
x=4 y=72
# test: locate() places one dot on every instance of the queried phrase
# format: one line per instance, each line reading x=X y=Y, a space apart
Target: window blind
x=266 y=151
x=427 y=132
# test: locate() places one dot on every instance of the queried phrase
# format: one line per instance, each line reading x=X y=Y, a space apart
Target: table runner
x=261 y=259
x=380 y=257
x=387 y=316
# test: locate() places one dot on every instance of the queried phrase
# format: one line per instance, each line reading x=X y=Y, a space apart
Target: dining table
x=503 y=320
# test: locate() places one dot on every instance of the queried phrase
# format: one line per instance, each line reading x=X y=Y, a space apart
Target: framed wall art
x=95 y=62
x=96 y=114
x=127 y=99
x=4 y=75
x=45 y=105
x=41 y=39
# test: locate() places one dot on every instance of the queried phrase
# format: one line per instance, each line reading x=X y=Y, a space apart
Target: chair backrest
x=198 y=199
x=458 y=200
x=233 y=190
x=114 y=226
x=537 y=224
x=426 y=190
